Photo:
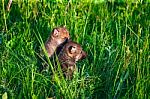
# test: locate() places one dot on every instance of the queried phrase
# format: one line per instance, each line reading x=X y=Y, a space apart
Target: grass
x=115 y=36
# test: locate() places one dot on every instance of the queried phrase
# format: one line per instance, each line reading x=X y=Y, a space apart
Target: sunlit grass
x=114 y=35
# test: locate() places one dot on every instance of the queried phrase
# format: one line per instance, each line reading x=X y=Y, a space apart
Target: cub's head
x=60 y=35
x=74 y=50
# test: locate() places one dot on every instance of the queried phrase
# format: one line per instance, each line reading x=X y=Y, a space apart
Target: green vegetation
x=115 y=36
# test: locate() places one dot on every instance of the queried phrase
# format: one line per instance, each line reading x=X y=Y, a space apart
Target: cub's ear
x=55 y=32
x=72 y=49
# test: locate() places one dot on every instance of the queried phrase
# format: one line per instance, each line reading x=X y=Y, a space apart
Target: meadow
x=115 y=36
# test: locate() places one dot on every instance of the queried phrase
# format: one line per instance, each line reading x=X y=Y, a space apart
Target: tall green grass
x=115 y=36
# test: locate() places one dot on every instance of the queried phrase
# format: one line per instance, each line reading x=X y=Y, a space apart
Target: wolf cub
x=68 y=52
x=69 y=55
x=58 y=36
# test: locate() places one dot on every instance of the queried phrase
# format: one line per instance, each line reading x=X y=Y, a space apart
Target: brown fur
x=58 y=36
x=69 y=55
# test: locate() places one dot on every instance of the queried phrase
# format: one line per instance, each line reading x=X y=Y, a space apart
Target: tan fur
x=56 y=38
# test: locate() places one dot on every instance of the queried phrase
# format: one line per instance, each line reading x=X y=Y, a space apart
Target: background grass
x=115 y=36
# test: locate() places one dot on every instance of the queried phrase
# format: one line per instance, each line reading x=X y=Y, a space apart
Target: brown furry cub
x=69 y=55
x=58 y=36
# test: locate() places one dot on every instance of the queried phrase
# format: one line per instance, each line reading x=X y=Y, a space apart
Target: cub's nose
x=68 y=36
x=84 y=55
